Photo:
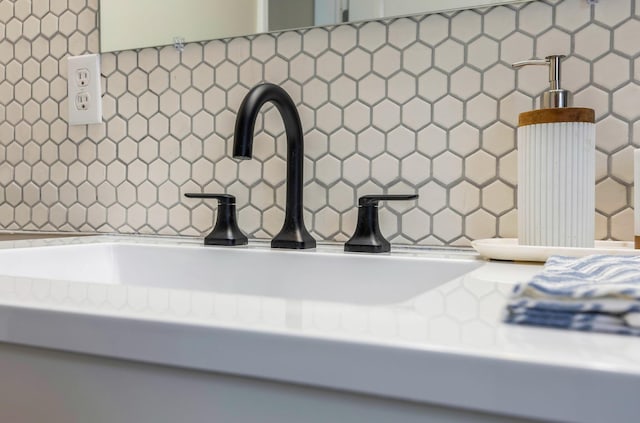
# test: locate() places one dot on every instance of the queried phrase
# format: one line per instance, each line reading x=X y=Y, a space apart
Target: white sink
x=301 y=275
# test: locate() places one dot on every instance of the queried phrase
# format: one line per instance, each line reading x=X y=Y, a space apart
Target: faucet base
x=295 y=242
x=293 y=245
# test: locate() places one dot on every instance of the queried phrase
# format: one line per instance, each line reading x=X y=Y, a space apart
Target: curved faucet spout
x=293 y=234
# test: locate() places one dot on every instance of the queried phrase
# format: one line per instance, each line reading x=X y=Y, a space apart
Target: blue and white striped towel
x=597 y=293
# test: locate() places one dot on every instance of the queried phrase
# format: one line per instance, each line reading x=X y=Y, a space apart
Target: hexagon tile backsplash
x=426 y=104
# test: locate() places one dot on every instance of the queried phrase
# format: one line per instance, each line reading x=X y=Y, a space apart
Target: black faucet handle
x=222 y=198
x=372 y=200
x=226 y=230
x=367 y=237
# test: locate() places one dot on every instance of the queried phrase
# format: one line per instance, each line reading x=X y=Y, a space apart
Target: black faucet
x=294 y=234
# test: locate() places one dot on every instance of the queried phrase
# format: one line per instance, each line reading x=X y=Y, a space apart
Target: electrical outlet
x=82 y=100
x=84 y=92
x=82 y=77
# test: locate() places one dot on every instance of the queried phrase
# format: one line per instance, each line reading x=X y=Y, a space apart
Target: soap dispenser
x=556 y=168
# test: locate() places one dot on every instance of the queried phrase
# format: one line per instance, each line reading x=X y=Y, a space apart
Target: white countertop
x=447 y=346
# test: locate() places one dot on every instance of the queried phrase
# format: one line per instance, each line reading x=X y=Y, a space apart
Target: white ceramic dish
x=508 y=249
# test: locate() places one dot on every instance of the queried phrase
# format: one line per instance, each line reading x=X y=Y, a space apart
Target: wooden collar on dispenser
x=564 y=114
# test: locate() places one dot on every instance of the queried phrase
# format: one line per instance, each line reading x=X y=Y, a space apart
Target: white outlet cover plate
x=93 y=112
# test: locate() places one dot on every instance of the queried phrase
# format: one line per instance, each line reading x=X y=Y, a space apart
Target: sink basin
x=309 y=275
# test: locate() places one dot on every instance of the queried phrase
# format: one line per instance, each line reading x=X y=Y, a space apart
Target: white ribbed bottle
x=556 y=178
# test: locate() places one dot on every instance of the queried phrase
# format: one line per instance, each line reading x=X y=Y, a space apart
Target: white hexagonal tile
x=464 y=139
x=432 y=85
x=498 y=197
x=355 y=169
x=249 y=219
x=402 y=32
x=180 y=125
x=535 y=17
x=517 y=46
x=289 y=43
x=276 y=70
x=514 y=104
x=498 y=139
x=415 y=168
x=480 y=167
x=482 y=110
x=465 y=83
x=401 y=87
x=371 y=142
x=572 y=15
x=315 y=196
x=274 y=171
x=601 y=226
x=180 y=79
x=357 y=63
x=191 y=101
x=594 y=98
x=262 y=196
x=592 y=41
x=238 y=50
x=328 y=118
x=480 y=225
x=482 y=52
x=386 y=115
x=342 y=197
x=611 y=196
x=611 y=71
x=316 y=144
x=447 y=225
x=464 y=198
x=263 y=47
x=622 y=225
x=315 y=93
x=416 y=58
x=385 y=169
x=432 y=140
x=433 y=29
x=158 y=81
x=372 y=35
x=580 y=71
x=553 y=41
x=498 y=80
x=343 y=91
x=449 y=55
x=622 y=165
x=611 y=134
x=499 y=22
x=328 y=65
x=416 y=224
x=342 y=38
x=328 y=170
x=357 y=116
x=602 y=165
x=613 y=15
x=624 y=35
x=466 y=25
x=448 y=111
x=416 y=114
x=532 y=80
x=625 y=101
x=326 y=222
x=401 y=142
x=447 y=168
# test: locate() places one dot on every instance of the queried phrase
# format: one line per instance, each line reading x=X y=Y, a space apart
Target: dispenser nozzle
x=555 y=97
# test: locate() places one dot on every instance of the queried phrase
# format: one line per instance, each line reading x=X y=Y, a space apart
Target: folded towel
x=598 y=293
